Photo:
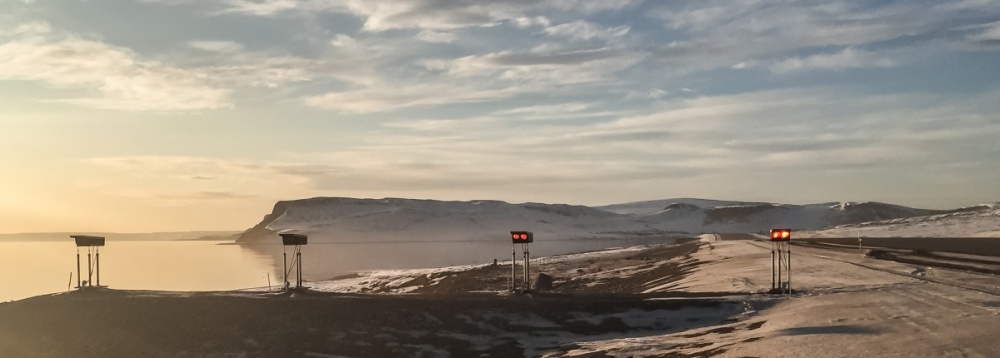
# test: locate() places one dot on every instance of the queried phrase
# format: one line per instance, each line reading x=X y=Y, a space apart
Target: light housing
x=522 y=237
x=293 y=239
x=87 y=240
x=781 y=234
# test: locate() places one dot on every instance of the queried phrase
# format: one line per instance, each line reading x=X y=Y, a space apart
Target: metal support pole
x=789 y=270
x=780 y=263
x=78 y=284
x=284 y=267
x=773 y=267
x=98 y=258
x=90 y=269
x=527 y=267
x=298 y=276
x=513 y=268
x=524 y=269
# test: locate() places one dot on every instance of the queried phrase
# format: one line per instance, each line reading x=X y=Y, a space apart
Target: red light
x=522 y=237
x=781 y=234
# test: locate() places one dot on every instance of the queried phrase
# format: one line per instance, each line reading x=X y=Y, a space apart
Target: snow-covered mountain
x=974 y=221
x=395 y=219
x=656 y=206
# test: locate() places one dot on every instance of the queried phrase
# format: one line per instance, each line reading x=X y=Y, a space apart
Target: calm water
x=34 y=268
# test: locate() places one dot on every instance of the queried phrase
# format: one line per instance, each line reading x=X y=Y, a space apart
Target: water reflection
x=35 y=268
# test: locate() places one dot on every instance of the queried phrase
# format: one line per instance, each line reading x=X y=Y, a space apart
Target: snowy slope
x=974 y=221
x=760 y=217
x=654 y=206
x=396 y=219
x=393 y=219
x=750 y=217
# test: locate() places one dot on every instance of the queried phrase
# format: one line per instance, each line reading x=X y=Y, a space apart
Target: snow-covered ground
x=408 y=281
x=978 y=223
x=845 y=305
x=387 y=281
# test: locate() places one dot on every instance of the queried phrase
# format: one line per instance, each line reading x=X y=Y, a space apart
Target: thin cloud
x=437 y=36
x=217 y=46
x=384 y=15
x=988 y=36
x=726 y=34
x=545 y=66
x=846 y=59
x=582 y=30
x=123 y=80
x=389 y=98
x=206 y=196
x=547 y=110
x=209 y=174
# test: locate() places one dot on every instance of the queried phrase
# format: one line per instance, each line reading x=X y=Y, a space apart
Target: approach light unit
x=781 y=234
x=293 y=239
x=93 y=245
x=86 y=240
x=522 y=237
x=297 y=241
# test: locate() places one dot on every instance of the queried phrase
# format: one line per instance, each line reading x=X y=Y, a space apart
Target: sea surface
x=31 y=268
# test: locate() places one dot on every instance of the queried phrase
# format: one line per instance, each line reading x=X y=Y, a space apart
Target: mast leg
x=513 y=268
x=298 y=276
x=90 y=268
x=524 y=254
x=789 y=270
x=773 y=268
x=78 y=284
x=781 y=262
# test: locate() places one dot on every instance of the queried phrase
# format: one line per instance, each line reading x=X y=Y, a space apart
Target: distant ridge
x=143 y=236
x=398 y=219
x=654 y=206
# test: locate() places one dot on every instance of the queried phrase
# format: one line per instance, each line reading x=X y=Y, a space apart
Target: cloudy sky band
x=178 y=109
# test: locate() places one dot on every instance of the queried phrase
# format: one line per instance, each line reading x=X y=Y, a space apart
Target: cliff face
x=393 y=219
x=333 y=219
x=260 y=232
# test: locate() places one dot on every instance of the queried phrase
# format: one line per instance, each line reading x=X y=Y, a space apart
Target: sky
x=172 y=115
